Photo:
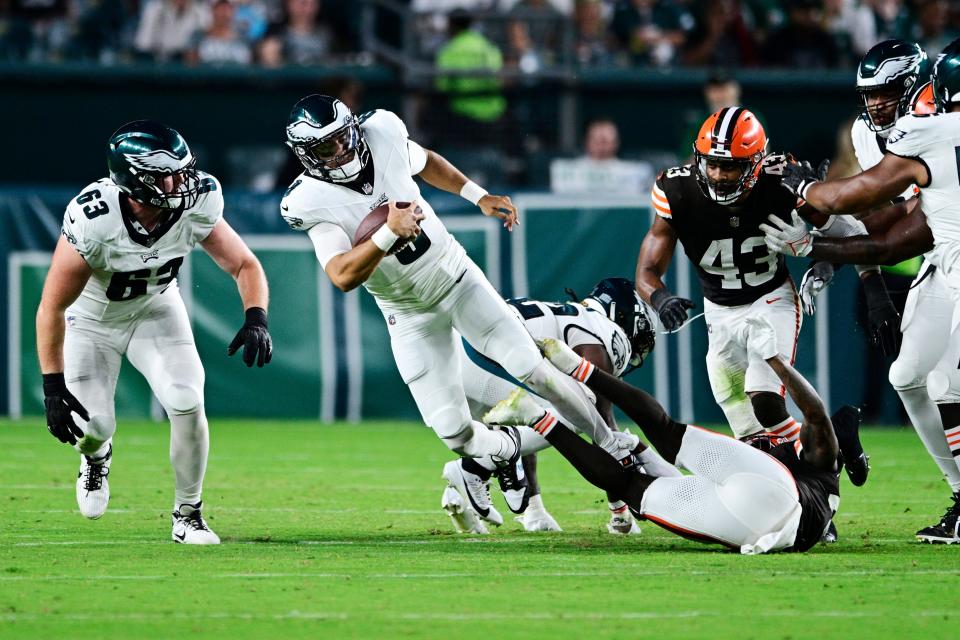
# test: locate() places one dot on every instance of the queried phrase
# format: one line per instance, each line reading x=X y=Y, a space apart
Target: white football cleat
x=538 y=519
x=560 y=355
x=474 y=489
x=464 y=518
x=189 y=527
x=93 y=489
x=518 y=409
x=622 y=523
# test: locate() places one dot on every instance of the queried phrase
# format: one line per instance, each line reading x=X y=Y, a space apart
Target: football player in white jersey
x=112 y=291
x=431 y=287
x=921 y=150
x=612 y=328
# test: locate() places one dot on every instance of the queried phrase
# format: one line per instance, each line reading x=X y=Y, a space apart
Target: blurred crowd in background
x=527 y=35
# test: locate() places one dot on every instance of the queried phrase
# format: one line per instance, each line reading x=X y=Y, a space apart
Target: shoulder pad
x=774 y=164
x=913 y=133
x=209 y=207
x=298 y=206
x=387 y=122
x=683 y=171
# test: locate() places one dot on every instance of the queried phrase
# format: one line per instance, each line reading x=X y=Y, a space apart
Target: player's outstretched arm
x=66 y=278
x=906 y=238
x=819 y=442
x=875 y=186
x=655 y=254
x=440 y=173
x=233 y=255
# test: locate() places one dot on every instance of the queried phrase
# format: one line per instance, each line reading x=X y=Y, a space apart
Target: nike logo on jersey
x=70 y=217
x=285 y=207
x=772 y=300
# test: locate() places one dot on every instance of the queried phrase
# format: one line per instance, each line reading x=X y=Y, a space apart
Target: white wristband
x=472 y=192
x=384 y=237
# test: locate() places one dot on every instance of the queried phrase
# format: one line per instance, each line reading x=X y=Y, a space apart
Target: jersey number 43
x=732 y=267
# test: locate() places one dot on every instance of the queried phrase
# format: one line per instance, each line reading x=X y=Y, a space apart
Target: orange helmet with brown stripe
x=924 y=103
x=729 y=151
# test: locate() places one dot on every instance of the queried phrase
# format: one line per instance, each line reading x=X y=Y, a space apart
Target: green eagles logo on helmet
x=946 y=77
x=895 y=67
x=152 y=164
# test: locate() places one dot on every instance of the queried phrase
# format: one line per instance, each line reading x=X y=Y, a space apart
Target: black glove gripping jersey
x=725 y=243
x=816 y=487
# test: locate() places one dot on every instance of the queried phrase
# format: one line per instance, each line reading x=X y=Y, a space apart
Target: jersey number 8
x=728 y=270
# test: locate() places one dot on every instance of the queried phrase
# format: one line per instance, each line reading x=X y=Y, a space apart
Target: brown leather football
x=373 y=221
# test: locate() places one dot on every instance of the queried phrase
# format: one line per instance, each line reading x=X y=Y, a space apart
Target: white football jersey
x=866 y=145
x=576 y=325
x=416 y=277
x=126 y=272
x=934 y=140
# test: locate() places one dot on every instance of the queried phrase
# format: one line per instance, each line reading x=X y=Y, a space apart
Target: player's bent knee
x=904 y=376
x=181 y=399
x=525 y=364
x=769 y=408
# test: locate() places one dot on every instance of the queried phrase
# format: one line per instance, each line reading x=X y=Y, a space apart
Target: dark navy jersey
x=819 y=493
x=725 y=243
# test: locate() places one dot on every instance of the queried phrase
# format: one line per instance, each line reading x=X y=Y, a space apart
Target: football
x=376 y=219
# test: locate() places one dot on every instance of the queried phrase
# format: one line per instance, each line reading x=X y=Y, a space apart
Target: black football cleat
x=846 y=425
x=511 y=477
x=947 y=531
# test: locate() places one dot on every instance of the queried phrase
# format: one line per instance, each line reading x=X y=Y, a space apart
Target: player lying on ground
x=714 y=208
x=426 y=286
x=613 y=329
x=112 y=291
x=780 y=498
x=921 y=150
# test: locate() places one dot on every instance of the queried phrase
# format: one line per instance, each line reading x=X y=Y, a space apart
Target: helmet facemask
x=174 y=190
x=727 y=191
x=896 y=105
x=337 y=157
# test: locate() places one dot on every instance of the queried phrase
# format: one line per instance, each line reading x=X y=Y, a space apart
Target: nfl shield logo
x=391 y=320
x=367 y=188
x=734 y=221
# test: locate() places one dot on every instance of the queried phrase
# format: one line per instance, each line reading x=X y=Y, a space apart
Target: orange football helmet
x=924 y=103
x=731 y=139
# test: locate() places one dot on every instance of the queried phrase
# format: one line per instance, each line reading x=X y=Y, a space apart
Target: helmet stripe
x=727 y=126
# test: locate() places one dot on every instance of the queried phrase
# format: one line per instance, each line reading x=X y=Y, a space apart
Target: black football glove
x=671 y=309
x=882 y=316
x=799 y=176
x=58 y=403
x=254 y=338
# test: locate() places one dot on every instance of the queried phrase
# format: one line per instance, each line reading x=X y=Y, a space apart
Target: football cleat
x=511 y=477
x=846 y=425
x=830 y=535
x=464 y=518
x=473 y=489
x=947 y=531
x=93 y=489
x=518 y=409
x=189 y=527
x=622 y=522
x=538 y=519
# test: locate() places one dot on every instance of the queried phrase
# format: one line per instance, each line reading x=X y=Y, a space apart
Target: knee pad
x=769 y=408
x=904 y=376
x=181 y=399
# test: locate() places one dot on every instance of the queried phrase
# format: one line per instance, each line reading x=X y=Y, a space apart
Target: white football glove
x=815 y=280
x=761 y=338
x=792 y=239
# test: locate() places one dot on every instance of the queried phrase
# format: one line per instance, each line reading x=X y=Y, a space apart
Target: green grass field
x=336 y=531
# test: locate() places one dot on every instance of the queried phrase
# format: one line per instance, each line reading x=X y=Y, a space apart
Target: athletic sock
x=788 y=428
x=928 y=424
x=189 y=444
x=950 y=414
